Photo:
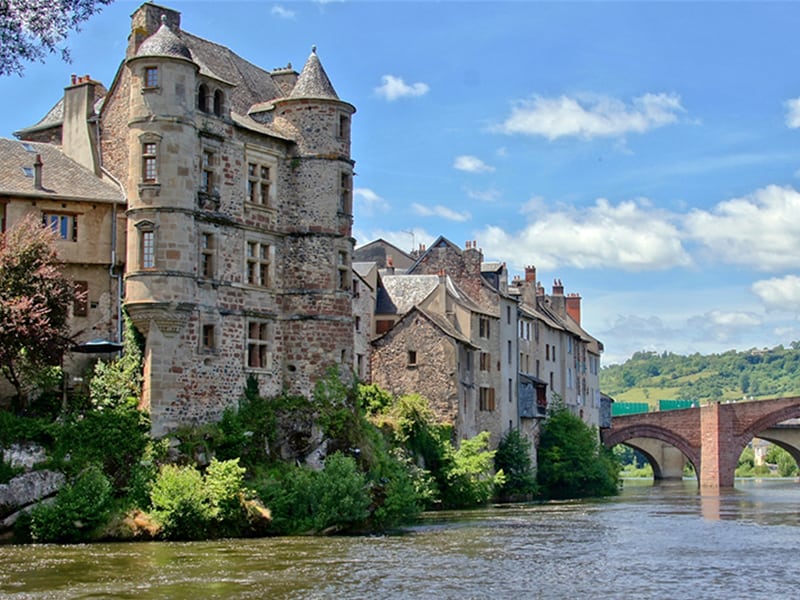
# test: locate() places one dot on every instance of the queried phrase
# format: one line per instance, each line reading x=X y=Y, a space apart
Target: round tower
x=162 y=145
x=316 y=218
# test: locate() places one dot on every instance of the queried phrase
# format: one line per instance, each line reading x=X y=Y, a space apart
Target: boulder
x=25 y=455
x=28 y=488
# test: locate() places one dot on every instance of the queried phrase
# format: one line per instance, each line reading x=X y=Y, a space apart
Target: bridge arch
x=766 y=422
x=628 y=435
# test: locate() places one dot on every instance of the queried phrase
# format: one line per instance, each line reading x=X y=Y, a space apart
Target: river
x=651 y=541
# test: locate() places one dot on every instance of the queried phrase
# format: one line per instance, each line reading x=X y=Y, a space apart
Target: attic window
x=412 y=358
x=218 y=102
x=27 y=147
x=28 y=171
x=202 y=98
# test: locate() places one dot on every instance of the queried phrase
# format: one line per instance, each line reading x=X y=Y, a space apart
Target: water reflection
x=653 y=541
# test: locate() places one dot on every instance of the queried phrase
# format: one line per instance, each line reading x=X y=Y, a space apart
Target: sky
x=647 y=154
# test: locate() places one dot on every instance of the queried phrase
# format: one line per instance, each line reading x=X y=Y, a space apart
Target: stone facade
x=237 y=235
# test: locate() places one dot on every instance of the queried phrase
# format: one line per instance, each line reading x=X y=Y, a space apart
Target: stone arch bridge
x=711 y=437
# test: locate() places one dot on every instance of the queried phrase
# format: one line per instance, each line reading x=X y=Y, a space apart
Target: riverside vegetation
x=386 y=460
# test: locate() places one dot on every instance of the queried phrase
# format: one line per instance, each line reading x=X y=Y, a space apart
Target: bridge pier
x=717 y=465
x=667 y=461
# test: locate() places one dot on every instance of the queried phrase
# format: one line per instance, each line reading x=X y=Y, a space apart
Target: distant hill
x=650 y=377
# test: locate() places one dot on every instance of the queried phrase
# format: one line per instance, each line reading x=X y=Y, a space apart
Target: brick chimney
x=77 y=132
x=530 y=274
x=285 y=78
x=574 y=307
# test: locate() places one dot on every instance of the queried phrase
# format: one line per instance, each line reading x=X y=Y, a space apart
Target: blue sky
x=645 y=153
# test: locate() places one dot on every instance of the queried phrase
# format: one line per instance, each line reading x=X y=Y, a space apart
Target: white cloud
x=760 y=230
x=369 y=202
x=440 y=211
x=630 y=235
x=406 y=240
x=792 y=113
x=733 y=318
x=779 y=293
x=471 y=164
x=489 y=195
x=393 y=88
x=282 y=12
x=589 y=116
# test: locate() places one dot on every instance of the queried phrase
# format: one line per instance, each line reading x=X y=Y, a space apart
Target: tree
x=513 y=458
x=571 y=462
x=34 y=303
x=32 y=29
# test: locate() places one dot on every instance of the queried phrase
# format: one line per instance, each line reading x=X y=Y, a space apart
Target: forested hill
x=650 y=377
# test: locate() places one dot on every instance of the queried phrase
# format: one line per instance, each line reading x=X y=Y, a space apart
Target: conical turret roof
x=164 y=42
x=313 y=81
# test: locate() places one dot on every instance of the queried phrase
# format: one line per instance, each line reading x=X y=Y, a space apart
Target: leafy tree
x=469 y=477
x=32 y=29
x=513 y=458
x=119 y=381
x=34 y=303
x=571 y=462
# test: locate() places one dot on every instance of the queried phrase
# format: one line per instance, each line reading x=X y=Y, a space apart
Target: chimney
x=557 y=300
x=37 y=172
x=146 y=21
x=574 y=307
x=390 y=265
x=77 y=135
x=530 y=275
x=285 y=78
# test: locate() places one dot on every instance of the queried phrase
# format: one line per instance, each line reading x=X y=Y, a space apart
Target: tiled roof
x=62 y=177
x=313 y=81
x=164 y=42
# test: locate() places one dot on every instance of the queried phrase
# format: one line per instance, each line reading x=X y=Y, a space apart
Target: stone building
x=489 y=355
x=237 y=184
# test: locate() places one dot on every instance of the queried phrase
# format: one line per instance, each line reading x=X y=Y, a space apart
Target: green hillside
x=650 y=377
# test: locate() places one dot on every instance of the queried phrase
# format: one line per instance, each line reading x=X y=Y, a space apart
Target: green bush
x=470 y=481
x=513 y=458
x=333 y=499
x=79 y=508
x=571 y=462
x=181 y=503
x=118 y=382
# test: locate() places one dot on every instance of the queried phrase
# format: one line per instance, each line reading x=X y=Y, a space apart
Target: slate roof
x=55 y=116
x=164 y=42
x=62 y=177
x=313 y=81
x=400 y=293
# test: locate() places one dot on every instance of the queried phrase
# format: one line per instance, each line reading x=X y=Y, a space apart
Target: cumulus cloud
x=760 y=230
x=471 y=164
x=369 y=202
x=779 y=293
x=440 y=211
x=792 y=113
x=723 y=326
x=393 y=88
x=630 y=235
x=282 y=12
x=590 y=116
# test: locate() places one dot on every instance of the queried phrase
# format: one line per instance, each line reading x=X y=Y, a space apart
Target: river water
x=652 y=541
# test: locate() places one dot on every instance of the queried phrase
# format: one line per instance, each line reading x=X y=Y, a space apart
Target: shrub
x=513 y=458
x=571 y=462
x=181 y=503
x=79 y=508
x=470 y=481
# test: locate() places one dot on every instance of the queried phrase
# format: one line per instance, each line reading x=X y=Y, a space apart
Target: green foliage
x=14 y=428
x=115 y=438
x=727 y=376
x=470 y=481
x=79 y=508
x=302 y=500
x=786 y=465
x=119 y=381
x=181 y=503
x=513 y=458
x=7 y=472
x=571 y=461
x=372 y=399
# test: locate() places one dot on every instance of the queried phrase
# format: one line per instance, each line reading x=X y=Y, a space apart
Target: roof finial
x=163 y=19
x=314 y=49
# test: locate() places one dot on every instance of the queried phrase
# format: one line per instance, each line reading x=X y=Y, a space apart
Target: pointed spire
x=313 y=81
x=164 y=42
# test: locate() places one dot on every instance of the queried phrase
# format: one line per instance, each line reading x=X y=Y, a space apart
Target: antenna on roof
x=413 y=238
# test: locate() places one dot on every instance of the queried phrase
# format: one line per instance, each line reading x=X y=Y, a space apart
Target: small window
x=547 y=351
x=486 y=361
x=510 y=388
x=80 y=306
x=509 y=351
x=258 y=339
x=208 y=338
x=412 y=358
x=202 y=98
x=64 y=226
x=207 y=247
x=483 y=327
x=148 y=247
x=151 y=77
x=357 y=323
x=150 y=162
x=346 y=194
x=219 y=99
x=344 y=126
x=486 y=399
x=356 y=289
x=344 y=271
x=259 y=184
x=508 y=315
x=259 y=264
x=207 y=173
